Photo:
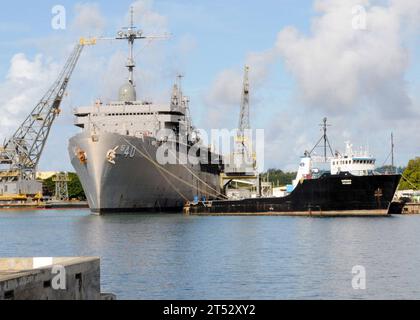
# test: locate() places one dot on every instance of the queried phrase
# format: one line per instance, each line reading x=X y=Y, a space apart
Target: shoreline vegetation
x=74 y=187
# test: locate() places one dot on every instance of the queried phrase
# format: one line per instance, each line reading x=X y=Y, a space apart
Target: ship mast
x=131 y=34
x=179 y=77
x=324 y=138
x=392 y=152
x=324 y=128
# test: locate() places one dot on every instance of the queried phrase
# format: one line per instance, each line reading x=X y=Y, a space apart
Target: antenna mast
x=131 y=34
x=324 y=138
x=324 y=128
x=179 y=77
x=392 y=151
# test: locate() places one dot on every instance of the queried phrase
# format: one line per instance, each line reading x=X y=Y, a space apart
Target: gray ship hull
x=135 y=183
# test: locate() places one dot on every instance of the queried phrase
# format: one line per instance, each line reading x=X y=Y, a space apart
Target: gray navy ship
x=115 y=155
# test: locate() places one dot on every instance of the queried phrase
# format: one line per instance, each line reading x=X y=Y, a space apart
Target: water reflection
x=169 y=256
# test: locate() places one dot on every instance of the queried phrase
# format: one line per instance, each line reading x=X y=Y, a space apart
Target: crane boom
x=244 y=113
x=242 y=143
x=23 y=150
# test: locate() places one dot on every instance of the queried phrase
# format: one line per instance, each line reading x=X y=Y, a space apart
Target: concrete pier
x=358 y=213
x=73 y=278
x=411 y=208
x=16 y=205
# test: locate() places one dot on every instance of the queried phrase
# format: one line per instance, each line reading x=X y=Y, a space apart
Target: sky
x=356 y=62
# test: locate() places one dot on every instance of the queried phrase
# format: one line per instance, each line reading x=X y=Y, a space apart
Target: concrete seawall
x=411 y=208
x=75 y=278
x=346 y=214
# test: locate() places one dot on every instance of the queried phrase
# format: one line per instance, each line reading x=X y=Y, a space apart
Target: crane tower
x=240 y=178
x=243 y=156
x=244 y=123
x=61 y=187
x=20 y=155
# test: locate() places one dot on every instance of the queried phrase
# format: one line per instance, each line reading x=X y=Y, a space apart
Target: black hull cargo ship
x=343 y=184
x=342 y=194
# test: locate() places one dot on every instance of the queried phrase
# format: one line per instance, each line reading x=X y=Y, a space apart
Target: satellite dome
x=127 y=92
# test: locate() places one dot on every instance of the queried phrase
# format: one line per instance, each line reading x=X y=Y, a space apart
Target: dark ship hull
x=334 y=194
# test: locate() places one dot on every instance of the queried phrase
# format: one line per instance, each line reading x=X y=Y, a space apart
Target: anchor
x=111 y=155
x=378 y=195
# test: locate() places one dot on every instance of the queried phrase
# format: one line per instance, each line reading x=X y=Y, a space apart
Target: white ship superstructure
x=357 y=163
x=136 y=118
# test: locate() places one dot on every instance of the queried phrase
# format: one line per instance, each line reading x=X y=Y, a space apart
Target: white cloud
x=88 y=19
x=99 y=73
x=147 y=18
x=109 y=85
x=350 y=76
x=340 y=69
x=355 y=77
x=224 y=93
x=408 y=11
x=28 y=79
x=25 y=82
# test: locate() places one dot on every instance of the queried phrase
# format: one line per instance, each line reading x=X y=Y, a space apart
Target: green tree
x=48 y=187
x=74 y=187
x=412 y=174
x=278 y=177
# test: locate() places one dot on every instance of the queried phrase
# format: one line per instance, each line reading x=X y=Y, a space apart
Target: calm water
x=178 y=257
